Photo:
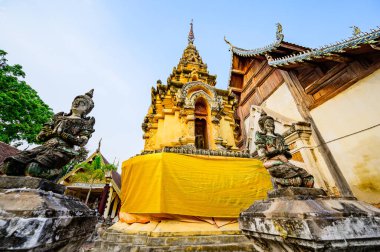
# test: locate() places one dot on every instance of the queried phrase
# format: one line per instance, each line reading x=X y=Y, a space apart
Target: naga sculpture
x=61 y=135
x=275 y=154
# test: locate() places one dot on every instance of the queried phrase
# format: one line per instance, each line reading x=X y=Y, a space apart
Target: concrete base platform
x=173 y=236
x=35 y=216
x=303 y=219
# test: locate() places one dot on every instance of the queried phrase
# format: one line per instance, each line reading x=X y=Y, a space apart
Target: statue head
x=266 y=123
x=83 y=104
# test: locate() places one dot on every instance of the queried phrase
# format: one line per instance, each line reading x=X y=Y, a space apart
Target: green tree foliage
x=92 y=172
x=22 y=112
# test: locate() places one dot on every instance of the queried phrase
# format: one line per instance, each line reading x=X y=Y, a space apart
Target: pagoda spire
x=191 y=67
x=191 y=33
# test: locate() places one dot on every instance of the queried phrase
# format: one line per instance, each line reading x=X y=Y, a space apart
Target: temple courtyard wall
x=356 y=109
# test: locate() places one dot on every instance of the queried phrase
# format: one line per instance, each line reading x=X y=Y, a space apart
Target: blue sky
x=121 y=48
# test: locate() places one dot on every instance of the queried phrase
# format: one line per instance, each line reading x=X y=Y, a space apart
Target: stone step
x=172 y=240
x=116 y=241
x=116 y=247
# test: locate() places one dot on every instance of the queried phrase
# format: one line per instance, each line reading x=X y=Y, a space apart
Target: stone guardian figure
x=275 y=154
x=61 y=135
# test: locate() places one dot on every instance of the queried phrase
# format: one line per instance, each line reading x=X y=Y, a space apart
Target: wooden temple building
x=325 y=101
x=105 y=194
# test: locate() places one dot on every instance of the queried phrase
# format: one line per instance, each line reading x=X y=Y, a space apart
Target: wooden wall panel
x=237 y=81
x=271 y=84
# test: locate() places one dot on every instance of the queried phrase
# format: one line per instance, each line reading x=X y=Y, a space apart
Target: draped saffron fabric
x=208 y=186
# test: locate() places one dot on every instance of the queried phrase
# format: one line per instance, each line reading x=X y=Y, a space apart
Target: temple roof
x=354 y=42
x=117 y=179
x=114 y=175
x=261 y=50
x=7 y=150
x=276 y=49
x=283 y=54
x=279 y=45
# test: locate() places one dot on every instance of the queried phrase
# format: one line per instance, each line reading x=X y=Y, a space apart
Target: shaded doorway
x=201 y=134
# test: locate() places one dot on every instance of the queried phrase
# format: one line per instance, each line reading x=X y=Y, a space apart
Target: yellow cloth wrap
x=209 y=186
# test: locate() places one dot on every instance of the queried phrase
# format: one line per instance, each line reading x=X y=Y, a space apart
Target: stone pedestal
x=36 y=216
x=305 y=219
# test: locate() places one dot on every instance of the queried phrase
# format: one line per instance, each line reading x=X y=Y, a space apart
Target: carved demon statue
x=61 y=136
x=275 y=153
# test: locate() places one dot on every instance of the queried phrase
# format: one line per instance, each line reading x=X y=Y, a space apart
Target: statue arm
x=260 y=145
x=75 y=140
x=285 y=150
x=83 y=136
x=47 y=130
x=263 y=150
x=45 y=133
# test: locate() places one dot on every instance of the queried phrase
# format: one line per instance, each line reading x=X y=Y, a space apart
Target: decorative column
x=298 y=139
x=190 y=122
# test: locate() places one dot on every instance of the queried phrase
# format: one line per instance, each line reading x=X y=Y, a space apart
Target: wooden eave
x=293 y=47
x=284 y=48
x=347 y=56
x=336 y=52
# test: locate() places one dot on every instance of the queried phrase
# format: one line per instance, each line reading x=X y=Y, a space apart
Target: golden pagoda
x=187 y=188
x=189 y=111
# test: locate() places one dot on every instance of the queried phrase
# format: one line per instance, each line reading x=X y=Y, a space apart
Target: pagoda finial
x=191 y=33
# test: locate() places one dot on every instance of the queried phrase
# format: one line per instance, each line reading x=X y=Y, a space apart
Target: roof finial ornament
x=99 y=144
x=191 y=33
x=279 y=35
x=228 y=42
x=356 y=30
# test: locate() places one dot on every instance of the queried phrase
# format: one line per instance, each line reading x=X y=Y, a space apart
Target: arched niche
x=198 y=88
x=190 y=93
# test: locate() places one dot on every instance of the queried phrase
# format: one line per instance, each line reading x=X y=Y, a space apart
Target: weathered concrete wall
x=282 y=102
x=354 y=110
x=304 y=219
x=36 y=216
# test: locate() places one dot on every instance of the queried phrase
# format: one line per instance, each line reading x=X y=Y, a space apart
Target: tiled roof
x=6 y=151
x=117 y=178
x=339 y=47
x=258 y=51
